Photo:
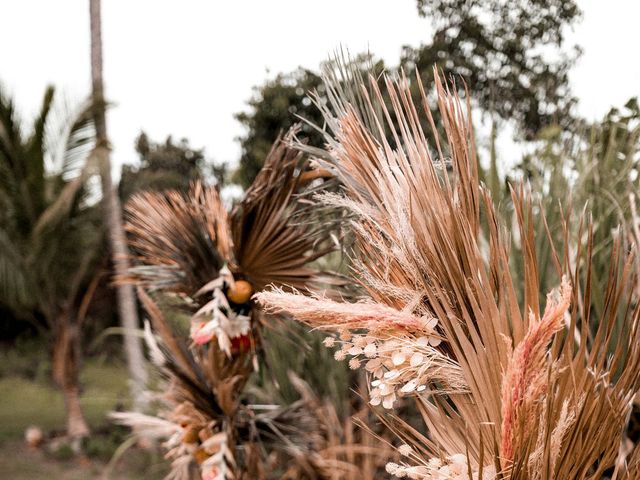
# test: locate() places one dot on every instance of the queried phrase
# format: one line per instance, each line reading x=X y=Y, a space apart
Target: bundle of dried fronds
x=194 y=258
x=505 y=391
x=342 y=451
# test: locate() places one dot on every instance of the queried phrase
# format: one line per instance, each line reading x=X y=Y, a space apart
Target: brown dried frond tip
x=180 y=240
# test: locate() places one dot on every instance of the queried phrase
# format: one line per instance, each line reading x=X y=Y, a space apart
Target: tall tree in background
x=272 y=110
x=510 y=52
x=49 y=237
x=167 y=165
x=127 y=308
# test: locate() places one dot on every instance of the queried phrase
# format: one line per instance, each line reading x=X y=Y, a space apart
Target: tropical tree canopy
x=167 y=165
x=511 y=53
x=50 y=234
x=49 y=231
x=272 y=110
x=277 y=105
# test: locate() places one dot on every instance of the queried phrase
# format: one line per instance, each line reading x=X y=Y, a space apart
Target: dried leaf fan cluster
x=194 y=258
x=507 y=389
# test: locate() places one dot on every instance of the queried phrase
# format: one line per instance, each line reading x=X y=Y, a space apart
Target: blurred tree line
x=514 y=48
x=167 y=166
x=512 y=55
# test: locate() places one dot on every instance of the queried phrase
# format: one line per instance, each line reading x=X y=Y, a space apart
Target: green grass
x=26 y=402
x=18 y=462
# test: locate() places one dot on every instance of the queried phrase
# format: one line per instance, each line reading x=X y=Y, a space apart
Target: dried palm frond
x=180 y=241
x=274 y=240
x=541 y=399
x=194 y=258
x=339 y=453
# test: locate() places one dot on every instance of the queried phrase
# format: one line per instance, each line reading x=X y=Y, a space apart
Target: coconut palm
x=49 y=234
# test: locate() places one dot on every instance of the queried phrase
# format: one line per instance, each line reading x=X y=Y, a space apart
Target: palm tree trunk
x=127 y=308
x=66 y=373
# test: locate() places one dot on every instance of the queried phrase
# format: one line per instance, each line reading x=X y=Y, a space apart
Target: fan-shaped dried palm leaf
x=274 y=240
x=210 y=264
x=180 y=241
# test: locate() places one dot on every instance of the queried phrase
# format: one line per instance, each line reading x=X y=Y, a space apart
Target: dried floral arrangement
x=194 y=258
x=507 y=389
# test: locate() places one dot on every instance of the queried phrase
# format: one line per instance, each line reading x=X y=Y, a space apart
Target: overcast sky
x=185 y=67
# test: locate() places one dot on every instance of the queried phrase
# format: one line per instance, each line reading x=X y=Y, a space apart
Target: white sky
x=185 y=67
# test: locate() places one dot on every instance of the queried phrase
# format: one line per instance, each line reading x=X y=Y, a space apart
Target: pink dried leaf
x=526 y=376
x=327 y=314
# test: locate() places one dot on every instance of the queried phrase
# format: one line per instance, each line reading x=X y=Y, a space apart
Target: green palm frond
x=16 y=284
x=10 y=131
x=35 y=145
x=49 y=231
x=70 y=139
